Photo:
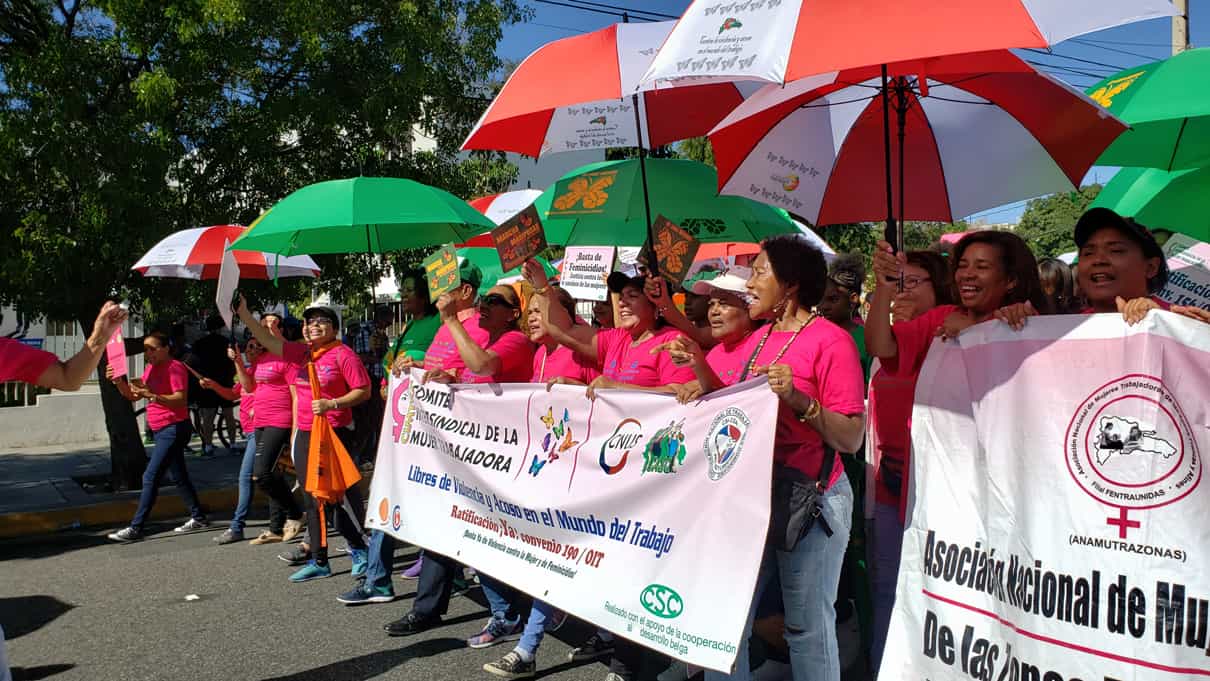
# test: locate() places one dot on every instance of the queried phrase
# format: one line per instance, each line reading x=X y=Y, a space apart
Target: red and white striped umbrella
x=980 y=130
x=783 y=40
x=576 y=93
x=198 y=254
x=500 y=207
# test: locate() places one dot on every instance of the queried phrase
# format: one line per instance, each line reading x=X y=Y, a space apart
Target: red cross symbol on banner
x=1122 y=522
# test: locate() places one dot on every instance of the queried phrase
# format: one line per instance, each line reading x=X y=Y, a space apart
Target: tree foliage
x=122 y=121
x=1048 y=223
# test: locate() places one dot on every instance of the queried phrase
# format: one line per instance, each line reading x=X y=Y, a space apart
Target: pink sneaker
x=413 y=571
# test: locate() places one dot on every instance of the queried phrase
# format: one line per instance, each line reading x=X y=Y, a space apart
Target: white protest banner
x=1058 y=530
x=1189 y=272
x=643 y=516
x=228 y=280
x=584 y=271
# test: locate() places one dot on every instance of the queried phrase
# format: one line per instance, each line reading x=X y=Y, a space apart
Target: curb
x=115 y=513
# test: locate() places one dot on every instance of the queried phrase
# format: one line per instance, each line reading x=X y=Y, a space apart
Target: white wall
x=58 y=418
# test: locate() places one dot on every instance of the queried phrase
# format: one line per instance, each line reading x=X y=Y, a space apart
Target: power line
x=1066 y=69
x=1118 y=50
x=1123 y=42
x=560 y=28
x=611 y=10
x=1052 y=53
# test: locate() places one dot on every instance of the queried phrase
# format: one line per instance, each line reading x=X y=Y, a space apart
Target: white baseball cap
x=734 y=280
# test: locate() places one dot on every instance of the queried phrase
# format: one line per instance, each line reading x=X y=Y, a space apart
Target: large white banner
x=630 y=511
x=1059 y=527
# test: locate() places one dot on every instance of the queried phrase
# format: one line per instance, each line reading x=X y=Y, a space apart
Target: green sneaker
x=311 y=570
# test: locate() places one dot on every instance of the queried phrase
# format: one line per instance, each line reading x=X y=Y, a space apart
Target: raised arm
x=246 y=380
x=581 y=338
x=656 y=289
x=477 y=359
x=879 y=338
x=271 y=343
x=70 y=375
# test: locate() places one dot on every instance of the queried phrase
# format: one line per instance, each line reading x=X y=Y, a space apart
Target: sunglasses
x=497 y=300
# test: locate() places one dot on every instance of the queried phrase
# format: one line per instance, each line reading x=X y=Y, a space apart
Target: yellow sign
x=1104 y=95
x=586 y=193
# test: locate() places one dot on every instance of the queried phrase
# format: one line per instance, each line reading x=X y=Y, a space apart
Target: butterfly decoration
x=568 y=443
x=670 y=252
x=549 y=417
x=590 y=193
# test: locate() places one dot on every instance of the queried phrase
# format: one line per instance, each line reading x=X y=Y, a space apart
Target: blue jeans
x=810 y=575
x=168 y=455
x=381 y=559
x=884 y=568
x=245 y=486
x=535 y=626
x=500 y=597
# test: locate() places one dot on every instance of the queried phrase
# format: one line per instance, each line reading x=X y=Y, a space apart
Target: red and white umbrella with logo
x=979 y=130
x=500 y=207
x=576 y=93
x=783 y=40
x=198 y=254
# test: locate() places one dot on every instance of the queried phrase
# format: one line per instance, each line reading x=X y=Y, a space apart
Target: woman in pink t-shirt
x=926 y=284
x=164 y=385
x=272 y=377
x=624 y=354
x=554 y=363
x=730 y=325
x=813 y=367
x=491 y=346
x=343 y=384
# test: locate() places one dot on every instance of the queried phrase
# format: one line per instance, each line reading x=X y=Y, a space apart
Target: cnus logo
x=662 y=601
x=626 y=436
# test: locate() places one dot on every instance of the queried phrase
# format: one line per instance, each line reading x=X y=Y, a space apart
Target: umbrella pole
x=652 y=266
x=891 y=232
x=901 y=104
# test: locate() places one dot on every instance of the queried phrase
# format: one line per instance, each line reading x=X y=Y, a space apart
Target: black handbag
x=794 y=507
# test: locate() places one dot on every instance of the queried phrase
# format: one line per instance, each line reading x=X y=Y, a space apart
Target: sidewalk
x=38 y=494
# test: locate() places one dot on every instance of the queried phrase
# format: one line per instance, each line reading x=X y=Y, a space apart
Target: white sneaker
x=193 y=524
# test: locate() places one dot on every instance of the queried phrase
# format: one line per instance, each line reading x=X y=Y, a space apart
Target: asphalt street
x=75 y=606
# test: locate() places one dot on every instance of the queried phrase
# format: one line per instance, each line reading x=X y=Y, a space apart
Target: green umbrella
x=602 y=204
x=363 y=215
x=1167 y=105
x=488 y=262
x=1175 y=201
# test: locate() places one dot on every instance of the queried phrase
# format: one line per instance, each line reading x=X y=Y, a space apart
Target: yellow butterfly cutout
x=549 y=417
x=591 y=194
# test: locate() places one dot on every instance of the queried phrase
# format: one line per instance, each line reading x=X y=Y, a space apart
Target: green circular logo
x=662 y=601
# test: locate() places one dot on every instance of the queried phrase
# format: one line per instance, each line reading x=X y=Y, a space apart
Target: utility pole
x=1180 y=26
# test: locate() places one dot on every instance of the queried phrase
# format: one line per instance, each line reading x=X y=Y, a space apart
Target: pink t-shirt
x=165 y=379
x=20 y=362
x=729 y=362
x=339 y=371
x=635 y=365
x=562 y=362
x=274 y=375
x=245 y=407
x=443 y=352
x=826 y=366
x=913 y=339
x=891 y=399
x=516 y=355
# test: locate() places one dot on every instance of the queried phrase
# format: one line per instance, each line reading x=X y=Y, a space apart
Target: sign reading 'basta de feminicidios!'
x=605 y=508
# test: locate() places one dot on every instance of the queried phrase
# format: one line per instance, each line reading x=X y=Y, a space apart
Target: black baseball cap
x=325 y=312
x=1099 y=218
x=620 y=280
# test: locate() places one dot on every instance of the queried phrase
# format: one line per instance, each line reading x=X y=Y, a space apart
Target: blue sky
x=1112 y=50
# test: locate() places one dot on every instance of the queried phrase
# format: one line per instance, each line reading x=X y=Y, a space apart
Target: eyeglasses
x=910 y=283
x=319 y=321
x=497 y=299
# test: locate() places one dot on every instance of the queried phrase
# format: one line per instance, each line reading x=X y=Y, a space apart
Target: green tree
x=1048 y=223
x=122 y=121
x=697 y=149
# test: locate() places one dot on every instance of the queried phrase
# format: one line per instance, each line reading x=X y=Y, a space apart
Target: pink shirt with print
x=339 y=370
x=563 y=362
x=622 y=361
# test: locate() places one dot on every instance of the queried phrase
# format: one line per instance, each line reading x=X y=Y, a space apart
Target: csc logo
x=662 y=601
